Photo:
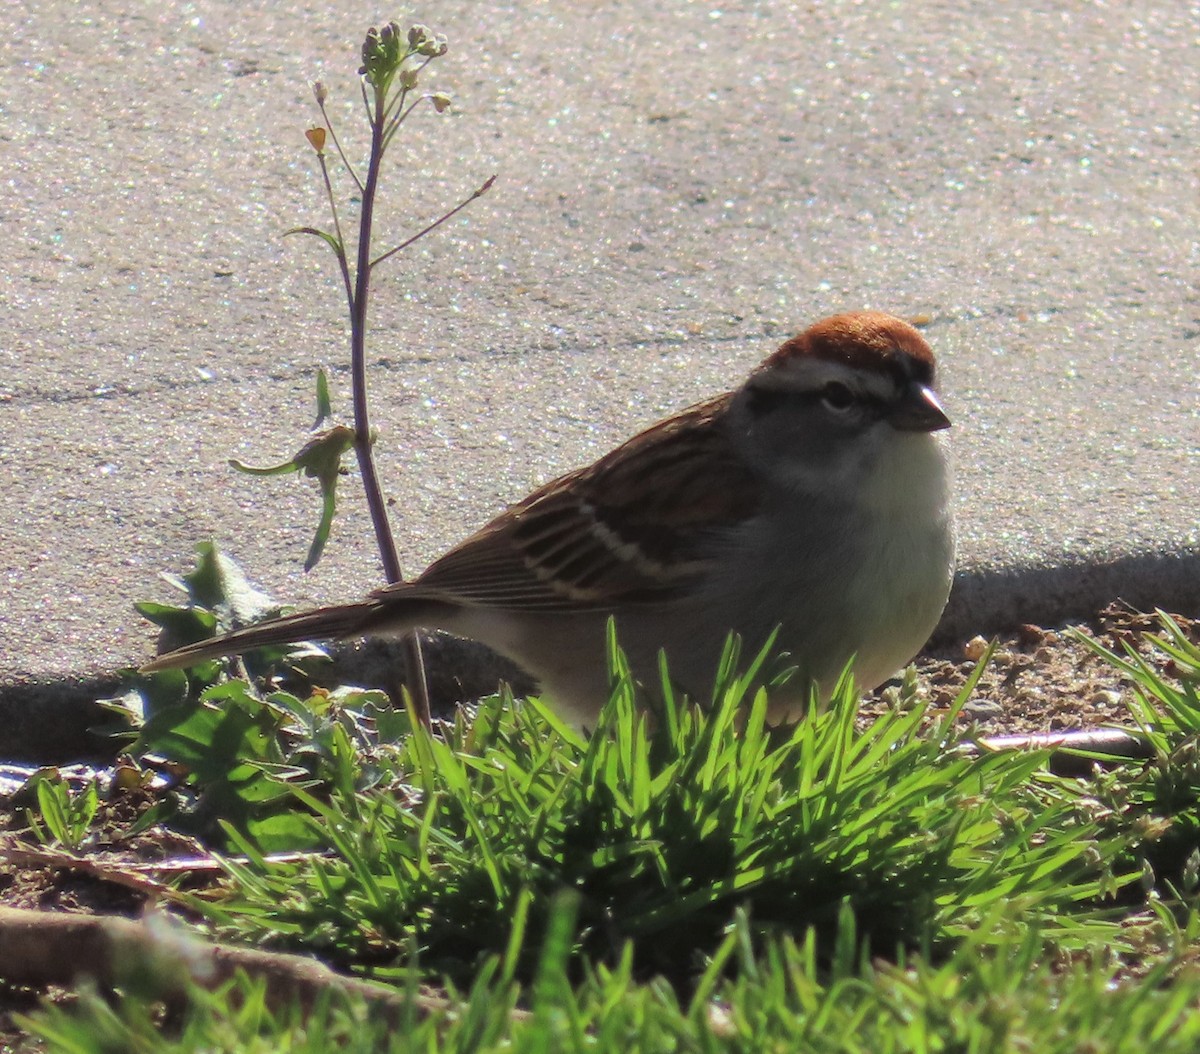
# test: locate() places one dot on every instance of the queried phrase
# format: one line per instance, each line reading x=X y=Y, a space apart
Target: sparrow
x=811 y=502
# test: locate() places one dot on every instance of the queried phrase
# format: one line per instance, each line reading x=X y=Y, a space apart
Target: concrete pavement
x=681 y=185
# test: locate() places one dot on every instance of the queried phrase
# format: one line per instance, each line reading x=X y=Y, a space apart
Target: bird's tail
x=327 y=623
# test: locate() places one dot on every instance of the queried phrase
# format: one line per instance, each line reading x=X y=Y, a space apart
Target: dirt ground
x=1044 y=679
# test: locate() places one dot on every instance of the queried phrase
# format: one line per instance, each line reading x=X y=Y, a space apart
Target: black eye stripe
x=768 y=400
x=916 y=370
x=838 y=396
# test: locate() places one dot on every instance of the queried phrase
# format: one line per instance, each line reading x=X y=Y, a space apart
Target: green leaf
x=320 y=458
x=325 y=236
x=183 y=623
x=218 y=583
x=52 y=797
x=281 y=469
x=324 y=406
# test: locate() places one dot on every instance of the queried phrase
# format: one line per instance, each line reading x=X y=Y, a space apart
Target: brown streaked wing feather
x=632 y=528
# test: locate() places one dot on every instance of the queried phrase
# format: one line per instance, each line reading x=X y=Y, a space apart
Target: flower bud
x=369 y=47
x=433 y=46
x=320 y=92
x=370 y=44
x=381 y=54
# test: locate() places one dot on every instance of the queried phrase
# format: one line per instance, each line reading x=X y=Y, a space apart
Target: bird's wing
x=638 y=527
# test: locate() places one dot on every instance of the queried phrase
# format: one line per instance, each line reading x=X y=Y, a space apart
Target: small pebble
x=974 y=648
x=1106 y=697
x=1028 y=633
x=982 y=708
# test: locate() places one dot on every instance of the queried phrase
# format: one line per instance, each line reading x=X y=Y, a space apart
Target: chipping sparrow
x=813 y=498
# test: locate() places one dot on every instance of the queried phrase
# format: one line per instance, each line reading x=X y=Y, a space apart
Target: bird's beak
x=919 y=411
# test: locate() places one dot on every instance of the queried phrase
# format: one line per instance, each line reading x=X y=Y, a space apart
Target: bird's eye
x=837 y=396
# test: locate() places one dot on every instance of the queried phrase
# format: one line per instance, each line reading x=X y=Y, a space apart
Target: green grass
x=688 y=880
x=662 y=828
x=1005 y=995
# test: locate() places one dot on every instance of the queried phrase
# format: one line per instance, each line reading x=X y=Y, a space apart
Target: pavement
x=680 y=186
